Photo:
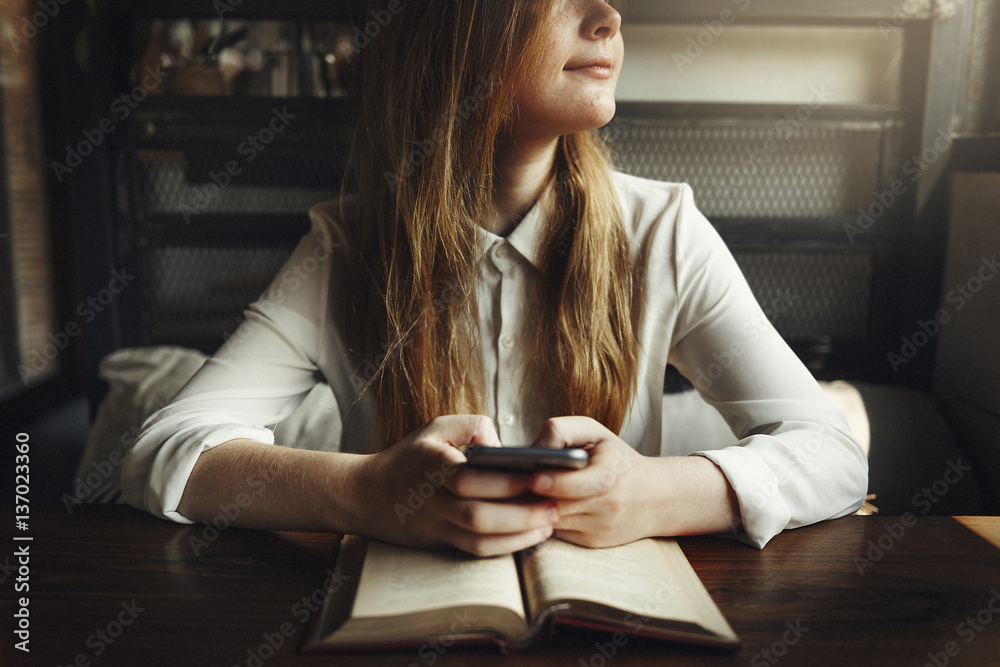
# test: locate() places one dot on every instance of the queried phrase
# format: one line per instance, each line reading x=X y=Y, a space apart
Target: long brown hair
x=441 y=85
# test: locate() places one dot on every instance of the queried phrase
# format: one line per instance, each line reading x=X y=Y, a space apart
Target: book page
x=400 y=580
x=644 y=580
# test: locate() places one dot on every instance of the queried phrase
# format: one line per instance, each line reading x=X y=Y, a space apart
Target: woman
x=493 y=280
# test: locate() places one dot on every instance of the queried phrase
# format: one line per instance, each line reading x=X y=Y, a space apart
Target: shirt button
x=507 y=341
x=508 y=419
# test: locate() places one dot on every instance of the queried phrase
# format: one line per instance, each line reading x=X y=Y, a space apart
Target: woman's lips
x=600 y=68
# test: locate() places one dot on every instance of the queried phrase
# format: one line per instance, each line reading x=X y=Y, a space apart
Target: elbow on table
x=858 y=479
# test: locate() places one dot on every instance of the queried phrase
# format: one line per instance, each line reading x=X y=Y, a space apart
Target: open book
x=398 y=597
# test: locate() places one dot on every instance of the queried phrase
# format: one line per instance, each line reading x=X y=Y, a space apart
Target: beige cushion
x=691 y=424
x=143 y=380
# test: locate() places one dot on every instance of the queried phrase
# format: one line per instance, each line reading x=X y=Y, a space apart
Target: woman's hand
x=606 y=503
x=622 y=496
x=419 y=493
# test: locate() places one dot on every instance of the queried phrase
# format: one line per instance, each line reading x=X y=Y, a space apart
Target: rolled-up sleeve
x=796 y=461
x=258 y=377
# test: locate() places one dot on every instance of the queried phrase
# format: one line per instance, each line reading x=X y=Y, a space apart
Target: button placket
x=510 y=314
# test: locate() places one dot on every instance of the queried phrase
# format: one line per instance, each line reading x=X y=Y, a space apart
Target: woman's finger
x=487 y=484
x=584 y=539
x=493 y=545
x=460 y=430
x=487 y=518
x=608 y=465
x=564 y=432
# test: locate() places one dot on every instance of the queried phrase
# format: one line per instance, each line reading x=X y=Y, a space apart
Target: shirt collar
x=525 y=239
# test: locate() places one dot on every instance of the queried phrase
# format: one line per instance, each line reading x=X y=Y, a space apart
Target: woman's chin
x=602 y=113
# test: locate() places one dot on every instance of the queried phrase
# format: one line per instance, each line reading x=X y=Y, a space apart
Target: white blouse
x=796 y=462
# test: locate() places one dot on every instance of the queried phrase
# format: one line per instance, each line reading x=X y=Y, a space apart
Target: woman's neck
x=522 y=172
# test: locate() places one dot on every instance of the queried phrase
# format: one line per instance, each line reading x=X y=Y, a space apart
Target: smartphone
x=526 y=459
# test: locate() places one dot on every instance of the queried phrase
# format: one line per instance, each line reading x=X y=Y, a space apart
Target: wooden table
x=110 y=585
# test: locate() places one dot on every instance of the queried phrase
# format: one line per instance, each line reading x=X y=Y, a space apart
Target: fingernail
x=543 y=483
x=546 y=532
x=553 y=514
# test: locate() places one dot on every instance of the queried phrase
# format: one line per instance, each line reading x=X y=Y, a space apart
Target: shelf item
x=277 y=59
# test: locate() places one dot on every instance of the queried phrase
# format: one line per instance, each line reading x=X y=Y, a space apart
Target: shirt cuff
x=157 y=482
x=763 y=511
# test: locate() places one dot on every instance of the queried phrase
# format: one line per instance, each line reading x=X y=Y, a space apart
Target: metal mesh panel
x=808 y=296
x=178 y=167
x=195 y=295
x=193 y=292
x=756 y=168
x=232 y=170
x=162 y=187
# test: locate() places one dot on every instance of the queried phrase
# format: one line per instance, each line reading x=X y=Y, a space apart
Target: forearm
x=255 y=485
x=689 y=495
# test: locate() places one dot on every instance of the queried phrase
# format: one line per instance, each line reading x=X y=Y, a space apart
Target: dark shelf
x=312 y=10
x=823 y=12
x=793 y=234
x=333 y=109
x=236 y=229
x=710 y=111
